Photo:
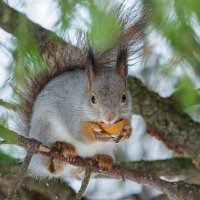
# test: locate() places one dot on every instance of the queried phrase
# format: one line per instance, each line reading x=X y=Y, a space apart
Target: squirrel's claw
x=125 y=134
x=66 y=149
x=104 y=161
x=127 y=127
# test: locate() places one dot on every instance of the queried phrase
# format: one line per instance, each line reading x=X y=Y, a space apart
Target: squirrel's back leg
x=43 y=130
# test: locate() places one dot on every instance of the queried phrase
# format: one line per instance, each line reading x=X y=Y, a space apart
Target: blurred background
x=167 y=63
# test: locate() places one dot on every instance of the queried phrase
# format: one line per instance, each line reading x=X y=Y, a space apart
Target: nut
x=113 y=129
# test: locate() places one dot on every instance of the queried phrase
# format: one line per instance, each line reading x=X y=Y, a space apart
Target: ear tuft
x=91 y=67
x=121 y=64
x=90 y=57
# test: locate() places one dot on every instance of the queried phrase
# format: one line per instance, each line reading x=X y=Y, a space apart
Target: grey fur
x=67 y=97
x=65 y=102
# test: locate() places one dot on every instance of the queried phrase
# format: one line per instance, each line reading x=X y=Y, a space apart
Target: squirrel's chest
x=63 y=133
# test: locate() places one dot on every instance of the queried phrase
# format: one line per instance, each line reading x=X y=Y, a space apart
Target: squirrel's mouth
x=110 y=122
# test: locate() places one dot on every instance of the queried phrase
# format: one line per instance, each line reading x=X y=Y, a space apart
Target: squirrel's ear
x=121 y=64
x=91 y=67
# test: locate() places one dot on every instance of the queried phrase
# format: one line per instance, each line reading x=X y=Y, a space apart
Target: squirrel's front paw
x=125 y=134
x=66 y=149
x=104 y=161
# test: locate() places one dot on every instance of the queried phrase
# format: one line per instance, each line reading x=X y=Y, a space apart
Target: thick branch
x=54 y=49
x=10 y=19
x=175 y=128
x=169 y=168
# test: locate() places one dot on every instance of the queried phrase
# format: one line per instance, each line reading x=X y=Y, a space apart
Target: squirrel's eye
x=93 y=99
x=123 y=100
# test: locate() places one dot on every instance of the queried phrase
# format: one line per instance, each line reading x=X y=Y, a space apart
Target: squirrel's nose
x=109 y=116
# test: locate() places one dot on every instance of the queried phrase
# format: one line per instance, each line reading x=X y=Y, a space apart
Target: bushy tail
x=59 y=58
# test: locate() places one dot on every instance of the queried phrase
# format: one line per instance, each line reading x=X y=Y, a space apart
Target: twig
x=84 y=184
x=23 y=171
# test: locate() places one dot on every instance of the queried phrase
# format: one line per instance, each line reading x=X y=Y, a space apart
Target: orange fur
x=104 y=161
x=87 y=128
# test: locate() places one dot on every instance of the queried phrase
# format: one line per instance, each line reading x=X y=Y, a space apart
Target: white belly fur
x=60 y=133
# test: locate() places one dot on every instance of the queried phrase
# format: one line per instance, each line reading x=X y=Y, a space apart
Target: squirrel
x=87 y=87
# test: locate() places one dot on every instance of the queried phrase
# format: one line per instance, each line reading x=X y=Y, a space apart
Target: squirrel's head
x=108 y=99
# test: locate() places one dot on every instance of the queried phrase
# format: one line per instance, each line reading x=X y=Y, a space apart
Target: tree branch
x=10 y=19
x=54 y=49
x=175 y=190
x=168 y=168
x=170 y=125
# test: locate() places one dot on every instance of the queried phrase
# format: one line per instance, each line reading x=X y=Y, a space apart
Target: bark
x=169 y=168
x=170 y=125
x=160 y=197
x=10 y=19
x=20 y=177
